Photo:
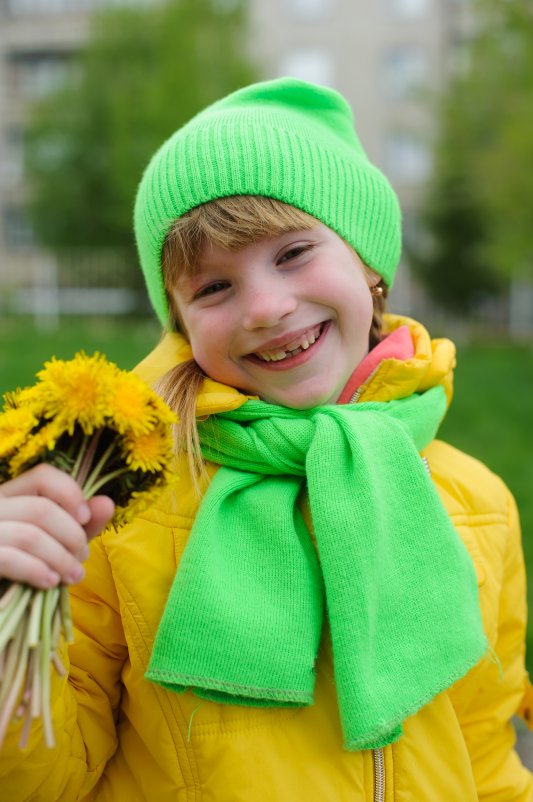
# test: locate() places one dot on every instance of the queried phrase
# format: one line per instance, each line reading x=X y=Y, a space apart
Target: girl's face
x=286 y=318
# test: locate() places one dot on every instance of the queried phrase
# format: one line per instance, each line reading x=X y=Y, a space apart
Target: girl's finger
x=28 y=539
x=19 y=566
x=102 y=509
x=46 y=517
x=46 y=480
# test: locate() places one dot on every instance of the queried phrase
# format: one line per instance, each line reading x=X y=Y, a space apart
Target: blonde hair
x=231 y=223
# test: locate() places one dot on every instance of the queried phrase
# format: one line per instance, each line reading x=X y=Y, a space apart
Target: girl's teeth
x=292 y=349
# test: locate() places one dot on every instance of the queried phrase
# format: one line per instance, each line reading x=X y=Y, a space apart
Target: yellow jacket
x=121 y=737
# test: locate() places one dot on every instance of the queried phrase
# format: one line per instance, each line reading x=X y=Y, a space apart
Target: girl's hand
x=44 y=527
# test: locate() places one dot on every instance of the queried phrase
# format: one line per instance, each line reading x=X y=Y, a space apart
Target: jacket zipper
x=379 y=775
x=355 y=398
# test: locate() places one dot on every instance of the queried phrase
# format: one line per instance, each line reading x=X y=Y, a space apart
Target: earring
x=376 y=291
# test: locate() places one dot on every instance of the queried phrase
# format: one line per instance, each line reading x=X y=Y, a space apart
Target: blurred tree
x=479 y=206
x=144 y=72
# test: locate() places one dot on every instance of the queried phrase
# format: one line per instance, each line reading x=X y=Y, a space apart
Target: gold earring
x=376 y=291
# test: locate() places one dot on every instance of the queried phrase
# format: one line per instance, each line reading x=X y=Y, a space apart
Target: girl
x=330 y=603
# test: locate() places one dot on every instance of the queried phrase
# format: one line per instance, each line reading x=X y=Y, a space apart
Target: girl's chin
x=304 y=400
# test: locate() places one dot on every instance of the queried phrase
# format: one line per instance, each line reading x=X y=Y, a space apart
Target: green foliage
x=144 y=72
x=490 y=418
x=479 y=206
x=24 y=349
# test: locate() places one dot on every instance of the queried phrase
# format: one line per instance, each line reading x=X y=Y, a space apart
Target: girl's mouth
x=292 y=348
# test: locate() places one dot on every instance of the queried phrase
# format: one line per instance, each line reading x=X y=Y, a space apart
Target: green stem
x=50 y=602
x=35 y=619
x=14 y=598
x=58 y=665
x=10 y=626
x=93 y=476
x=90 y=491
x=27 y=698
x=36 y=684
x=81 y=453
x=66 y=617
x=15 y=685
x=26 y=728
x=85 y=466
x=11 y=698
x=12 y=651
x=8 y=596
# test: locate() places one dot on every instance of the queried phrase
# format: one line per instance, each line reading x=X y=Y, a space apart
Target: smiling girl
x=330 y=603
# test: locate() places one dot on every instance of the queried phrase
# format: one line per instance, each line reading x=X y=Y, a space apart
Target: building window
x=36 y=74
x=407 y=158
x=405 y=68
x=310 y=10
x=309 y=64
x=12 y=157
x=15 y=8
x=18 y=232
x=222 y=6
x=408 y=9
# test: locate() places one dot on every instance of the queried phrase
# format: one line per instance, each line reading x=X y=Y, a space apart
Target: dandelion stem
x=49 y=606
x=9 y=628
x=85 y=466
x=12 y=605
x=93 y=476
x=25 y=732
x=36 y=684
x=35 y=619
x=66 y=617
x=12 y=651
x=58 y=665
x=12 y=591
x=15 y=686
x=90 y=491
x=81 y=453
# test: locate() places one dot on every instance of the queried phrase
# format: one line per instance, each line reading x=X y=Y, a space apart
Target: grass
x=490 y=417
x=23 y=349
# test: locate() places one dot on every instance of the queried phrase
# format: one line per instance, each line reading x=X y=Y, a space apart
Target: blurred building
x=388 y=57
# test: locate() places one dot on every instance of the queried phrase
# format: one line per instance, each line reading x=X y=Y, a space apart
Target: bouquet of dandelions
x=109 y=431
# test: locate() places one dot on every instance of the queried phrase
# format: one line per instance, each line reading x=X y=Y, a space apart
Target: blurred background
x=441 y=91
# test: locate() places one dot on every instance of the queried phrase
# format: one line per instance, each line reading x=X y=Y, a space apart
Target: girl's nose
x=265 y=307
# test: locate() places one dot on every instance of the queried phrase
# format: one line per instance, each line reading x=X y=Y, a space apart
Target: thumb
x=102 y=509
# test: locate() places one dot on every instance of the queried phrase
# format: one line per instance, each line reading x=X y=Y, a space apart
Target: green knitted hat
x=284 y=139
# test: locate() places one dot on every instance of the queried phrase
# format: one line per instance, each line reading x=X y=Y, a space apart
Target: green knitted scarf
x=244 y=617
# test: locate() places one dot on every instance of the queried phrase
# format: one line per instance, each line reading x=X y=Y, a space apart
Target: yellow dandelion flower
x=77 y=390
x=36 y=447
x=15 y=427
x=130 y=404
x=142 y=500
x=11 y=399
x=30 y=398
x=149 y=451
x=162 y=412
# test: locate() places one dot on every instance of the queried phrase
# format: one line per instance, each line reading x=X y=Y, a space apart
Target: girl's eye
x=212 y=289
x=294 y=252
